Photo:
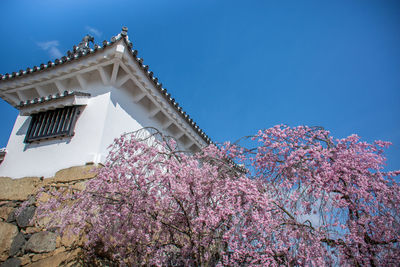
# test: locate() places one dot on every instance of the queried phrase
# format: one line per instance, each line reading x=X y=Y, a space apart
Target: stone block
x=68 y=239
x=18 y=189
x=7 y=234
x=17 y=244
x=42 y=222
x=58 y=241
x=25 y=259
x=74 y=174
x=30 y=230
x=43 y=197
x=38 y=257
x=11 y=216
x=5 y=212
x=42 y=256
x=12 y=262
x=24 y=217
x=42 y=242
x=56 y=260
x=79 y=186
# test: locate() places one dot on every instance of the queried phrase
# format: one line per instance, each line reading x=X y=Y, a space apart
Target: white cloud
x=93 y=31
x=51 y=48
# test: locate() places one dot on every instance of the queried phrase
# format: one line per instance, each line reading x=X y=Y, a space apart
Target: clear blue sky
x=237 y=66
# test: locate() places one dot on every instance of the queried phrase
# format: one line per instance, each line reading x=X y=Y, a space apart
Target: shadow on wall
x=144 y=111
x=134 y=110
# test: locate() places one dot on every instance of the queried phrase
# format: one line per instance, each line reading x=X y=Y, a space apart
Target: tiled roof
x=51 y=98
x=78 y=52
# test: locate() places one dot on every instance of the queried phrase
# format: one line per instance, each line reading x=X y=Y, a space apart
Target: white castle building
x=71 y=109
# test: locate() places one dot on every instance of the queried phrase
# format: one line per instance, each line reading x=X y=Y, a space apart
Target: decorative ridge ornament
x=124 y=31
x=84 y=45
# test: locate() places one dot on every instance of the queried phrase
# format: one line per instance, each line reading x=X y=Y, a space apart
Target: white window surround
x=60 y=101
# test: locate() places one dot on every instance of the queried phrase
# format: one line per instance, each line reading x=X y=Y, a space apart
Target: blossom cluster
x=298 y=197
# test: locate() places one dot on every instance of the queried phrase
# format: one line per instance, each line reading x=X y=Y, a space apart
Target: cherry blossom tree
x=297 y=197
x=338 y=204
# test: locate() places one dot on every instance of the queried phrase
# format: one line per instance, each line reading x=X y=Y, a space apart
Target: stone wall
x=27 y=243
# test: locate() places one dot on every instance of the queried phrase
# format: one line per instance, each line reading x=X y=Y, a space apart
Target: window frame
x=54 y=123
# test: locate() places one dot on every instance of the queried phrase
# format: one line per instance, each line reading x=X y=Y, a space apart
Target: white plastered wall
x=107 y=115
x=46 y=157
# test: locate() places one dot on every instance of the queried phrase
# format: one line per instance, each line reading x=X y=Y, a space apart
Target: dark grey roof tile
x=51 y=97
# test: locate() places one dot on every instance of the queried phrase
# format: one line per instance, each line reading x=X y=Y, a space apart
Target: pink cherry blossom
x=297 y=197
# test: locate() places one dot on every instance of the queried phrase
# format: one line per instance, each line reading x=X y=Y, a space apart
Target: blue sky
x=237 y=66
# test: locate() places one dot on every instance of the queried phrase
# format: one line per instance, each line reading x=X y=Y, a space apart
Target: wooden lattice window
x=53 y=123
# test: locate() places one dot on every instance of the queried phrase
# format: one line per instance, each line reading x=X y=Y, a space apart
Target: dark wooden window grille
x=53 y=123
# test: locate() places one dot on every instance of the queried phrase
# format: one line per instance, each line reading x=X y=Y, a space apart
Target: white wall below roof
x=119 y=119
x=124 y=115
x=107 y=115
x=46 y=157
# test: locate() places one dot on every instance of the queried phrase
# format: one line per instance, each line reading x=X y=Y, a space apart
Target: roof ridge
x=83 y=50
